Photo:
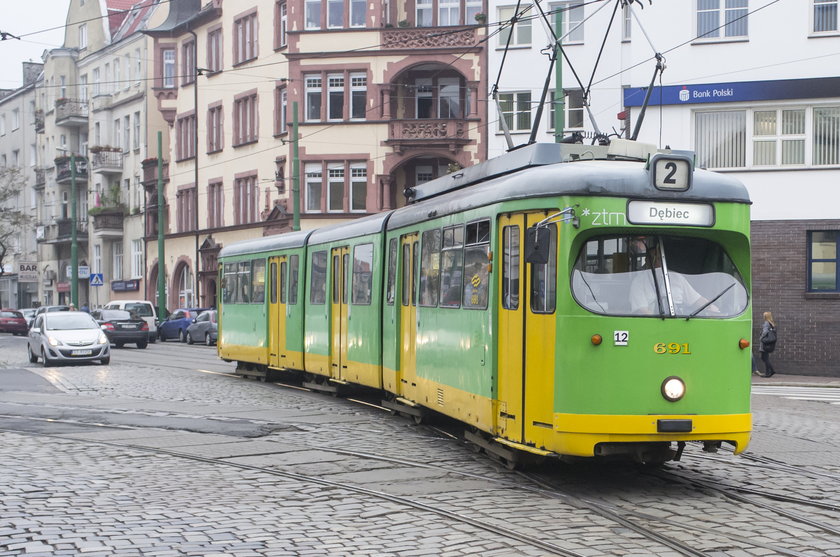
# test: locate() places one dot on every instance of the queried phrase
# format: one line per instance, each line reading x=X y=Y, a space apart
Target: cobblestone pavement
x=154 y=460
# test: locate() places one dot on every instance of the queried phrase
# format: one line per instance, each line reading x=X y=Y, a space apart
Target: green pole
x=295 y=169
x=161 y=222
x=559 y=97
x=74 y=235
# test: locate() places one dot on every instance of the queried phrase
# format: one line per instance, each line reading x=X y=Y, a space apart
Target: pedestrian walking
x=767 y=343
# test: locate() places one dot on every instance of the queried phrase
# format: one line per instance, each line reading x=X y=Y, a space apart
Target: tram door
x=409 y=259
x=526 y=334
x=339 y=312
x=277 y=273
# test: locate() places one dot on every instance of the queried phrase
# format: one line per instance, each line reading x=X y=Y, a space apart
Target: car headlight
x=673 y=389
x=102 y=338
x=53 y=341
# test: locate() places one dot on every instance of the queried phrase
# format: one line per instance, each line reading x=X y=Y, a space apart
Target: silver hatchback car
x=67 y=336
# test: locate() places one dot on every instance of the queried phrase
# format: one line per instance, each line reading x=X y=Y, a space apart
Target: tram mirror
x=537 y=244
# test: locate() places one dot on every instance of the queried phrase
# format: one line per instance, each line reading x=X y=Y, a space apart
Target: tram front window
x=662 y=276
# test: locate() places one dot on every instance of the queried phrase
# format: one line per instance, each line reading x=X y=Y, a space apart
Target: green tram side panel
x=294 y=312
x=316 y=316
x=616 y=380
x=364 y=329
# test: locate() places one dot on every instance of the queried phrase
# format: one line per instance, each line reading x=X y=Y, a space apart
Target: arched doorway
x=184 y=286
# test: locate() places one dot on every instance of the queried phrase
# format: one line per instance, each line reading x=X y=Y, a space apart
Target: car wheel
x=47 y=361
x=182 y=336
x=153 y=338
x=32 y=357
x=207 y=340
x=160 y=335
x=189 y=338
x=105 y=361
x=143 y=344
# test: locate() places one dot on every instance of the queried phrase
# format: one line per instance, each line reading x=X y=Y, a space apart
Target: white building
x=752 y=87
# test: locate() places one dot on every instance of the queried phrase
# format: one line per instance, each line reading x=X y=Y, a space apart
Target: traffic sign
x=96 y=279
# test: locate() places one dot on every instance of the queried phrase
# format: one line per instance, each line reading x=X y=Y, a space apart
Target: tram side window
x=430 y=268
x=362 y=273
x=318 y=274
x=406 y=274
x=510 y=268
x=477 y=265
x=229 y=283
x=244 y=283
x=272 y=282
x=283 y=270
x=390 y=292
x=336 y=278
x=544 y=279
x=451 y=267
x=294 y=269
x=258 y=281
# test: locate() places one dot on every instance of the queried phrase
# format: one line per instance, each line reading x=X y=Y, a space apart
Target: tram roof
x=267 y=243
x=601 y=178
x=372 y=224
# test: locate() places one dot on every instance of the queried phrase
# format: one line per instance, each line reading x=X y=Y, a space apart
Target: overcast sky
x=24 y=19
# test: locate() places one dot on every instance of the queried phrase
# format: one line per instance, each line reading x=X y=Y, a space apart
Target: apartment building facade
x=753 y=88
x=388 y=95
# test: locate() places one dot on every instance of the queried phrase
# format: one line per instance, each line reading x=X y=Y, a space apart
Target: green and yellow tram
x=559 y=300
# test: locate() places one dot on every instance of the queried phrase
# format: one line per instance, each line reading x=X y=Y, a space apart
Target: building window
x=186 y=208
x=215 y=205
x=335 y=14
x=127 y=80
x=15 y=119
x=627 y=23
x=358 y=187
x=340 y=87
x=97 y=258
x=822 y=261
x=245 y=124
x=185 y=127
x=572 y=21
x=245 y=199
x=214 y=50
x=126 y=143
x=215 y=133
x=187 y=62
x=358 y=13
x=314 y=187
x=344 y=181
x=245 y=38
x=358 y=96
x=115 y=136
x=335 y=188
x=722 y=18
x=521 y=29
x=83 y=90
x=792 y=136
x=282 y=25
x=137 y=270
x=443 y=13
x=312 y=10
x=83 y=36
x=96 y=81
x=825 y=16
x=516 y=110
x=117 y=252
x=573 y=109
x=335 y=96
x=281 y=100
x=313 y=97
x=168 y=74
x=138 y=66
x=137 y=130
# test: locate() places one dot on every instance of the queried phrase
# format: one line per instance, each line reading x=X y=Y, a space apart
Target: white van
x=141 y=308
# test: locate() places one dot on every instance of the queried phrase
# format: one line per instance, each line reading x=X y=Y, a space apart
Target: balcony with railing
x=40 y=178
x=61 y=232
x=423 y=133
x=106 y=160
x=108 y=222
x=71 y=112
x=64 y=170
x=39 y=121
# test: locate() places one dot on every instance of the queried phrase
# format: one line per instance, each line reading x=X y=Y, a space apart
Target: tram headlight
x=673 y=389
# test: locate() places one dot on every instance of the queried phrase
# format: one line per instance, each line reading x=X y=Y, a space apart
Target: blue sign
x=96 y=279
x=125 y=285
x=738 y=91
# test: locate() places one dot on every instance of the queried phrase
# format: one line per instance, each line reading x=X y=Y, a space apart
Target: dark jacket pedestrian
x=767 y=343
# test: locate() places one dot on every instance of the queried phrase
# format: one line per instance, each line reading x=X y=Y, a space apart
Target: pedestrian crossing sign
x=96 y=279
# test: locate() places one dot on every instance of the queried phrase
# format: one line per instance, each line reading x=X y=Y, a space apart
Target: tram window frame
x=511 y=266
x=258 y=281
x=476 y=293
x=345 y=278
x=294 y=279
x=406 y=274
x=243 y=281
x=318 y=278
x=415 y=266
x=229 y=283
x=272 y=282
x=284 y=268
x=452 y=267
x=362 y=285
x=336 y=278
x=390 y=291
x=430 y=268
x=548 y=295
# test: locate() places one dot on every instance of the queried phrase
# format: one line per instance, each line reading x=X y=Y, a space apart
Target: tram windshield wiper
x=710 y=302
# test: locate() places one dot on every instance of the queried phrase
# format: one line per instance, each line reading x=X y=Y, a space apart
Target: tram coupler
x=680 y=448
x=711 y=446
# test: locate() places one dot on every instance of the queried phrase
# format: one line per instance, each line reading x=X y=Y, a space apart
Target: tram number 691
x=671 y=348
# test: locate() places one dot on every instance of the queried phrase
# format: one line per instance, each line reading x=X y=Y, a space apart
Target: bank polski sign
x=657 y=212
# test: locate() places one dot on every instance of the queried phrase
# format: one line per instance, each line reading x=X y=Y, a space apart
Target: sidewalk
x=797 y=380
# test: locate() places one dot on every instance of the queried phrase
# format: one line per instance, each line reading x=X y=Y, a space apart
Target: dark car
x=13 y=321
x=203 y=329
x=122 y=327
x=176 y=324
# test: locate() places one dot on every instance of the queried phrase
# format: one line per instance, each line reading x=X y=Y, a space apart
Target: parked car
x=203 y=328
x=176 y=324
x=47 y=309
x=123 y=327
x=29 y=315
x=141 y=308
x=13 y=321
x=67 y=336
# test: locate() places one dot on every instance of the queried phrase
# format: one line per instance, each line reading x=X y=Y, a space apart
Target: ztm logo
x=684 y=94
